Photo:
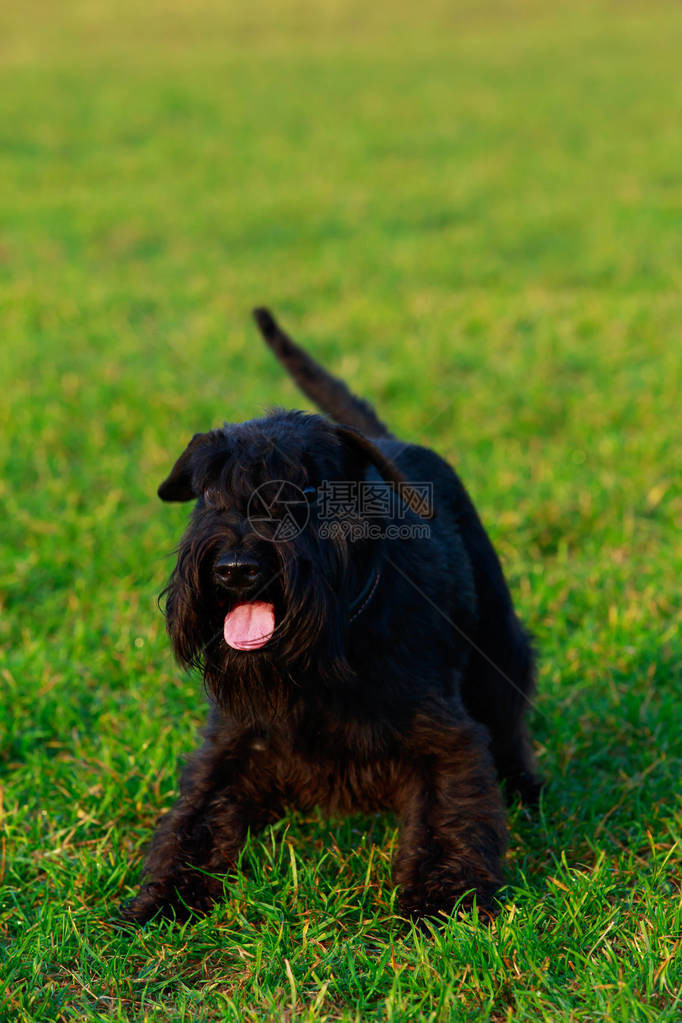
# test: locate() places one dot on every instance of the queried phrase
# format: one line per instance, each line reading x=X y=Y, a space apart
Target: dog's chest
x=341 y=768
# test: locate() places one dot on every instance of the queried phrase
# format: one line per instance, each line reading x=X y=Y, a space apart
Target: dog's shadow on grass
x=611 y=755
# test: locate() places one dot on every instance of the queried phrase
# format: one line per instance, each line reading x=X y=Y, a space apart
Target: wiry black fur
x=326 y=391
x=416 y=704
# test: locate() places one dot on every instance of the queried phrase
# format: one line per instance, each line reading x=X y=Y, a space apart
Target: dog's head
x=256 y=581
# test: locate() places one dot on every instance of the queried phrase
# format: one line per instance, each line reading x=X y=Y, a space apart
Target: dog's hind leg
x=453 y=828
x=499 y=681
x=497 y=690
x=199 y=840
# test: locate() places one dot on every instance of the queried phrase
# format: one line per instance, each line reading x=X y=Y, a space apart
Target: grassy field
x=474 y=212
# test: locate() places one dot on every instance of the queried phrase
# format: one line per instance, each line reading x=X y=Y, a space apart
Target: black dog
x=346 y=668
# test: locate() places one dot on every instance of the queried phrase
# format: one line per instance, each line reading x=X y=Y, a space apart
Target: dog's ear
x=386 y=469
x=179 y=486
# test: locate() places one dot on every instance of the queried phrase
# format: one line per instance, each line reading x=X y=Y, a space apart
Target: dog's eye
x=212 y=497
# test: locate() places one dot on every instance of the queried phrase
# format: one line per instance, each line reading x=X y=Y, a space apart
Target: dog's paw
x=166 y=901
x=525 y=786
x=425 y=908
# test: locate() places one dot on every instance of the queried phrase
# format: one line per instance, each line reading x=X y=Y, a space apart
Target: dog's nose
x=238 y=571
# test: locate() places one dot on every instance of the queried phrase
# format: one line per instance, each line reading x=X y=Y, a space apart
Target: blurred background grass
x=473 y=212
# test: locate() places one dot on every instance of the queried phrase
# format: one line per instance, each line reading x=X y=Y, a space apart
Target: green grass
x=473 y=211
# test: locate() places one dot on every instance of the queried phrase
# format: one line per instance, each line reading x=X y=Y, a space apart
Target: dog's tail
x=328 y=392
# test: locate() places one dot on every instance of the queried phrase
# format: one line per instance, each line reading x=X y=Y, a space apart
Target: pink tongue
x=249 y=626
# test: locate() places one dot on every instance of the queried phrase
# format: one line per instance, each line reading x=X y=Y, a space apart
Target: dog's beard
x=309 y=604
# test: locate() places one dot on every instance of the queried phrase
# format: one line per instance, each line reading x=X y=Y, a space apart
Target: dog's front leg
x=221 y=798
x=453 y=827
